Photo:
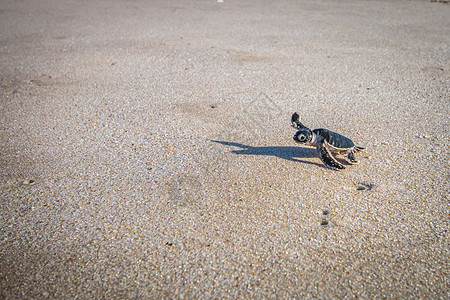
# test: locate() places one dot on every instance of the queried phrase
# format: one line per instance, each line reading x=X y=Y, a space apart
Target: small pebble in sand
x=28 y=182
x=325 y=212
x=362 y=186
x=324 y=222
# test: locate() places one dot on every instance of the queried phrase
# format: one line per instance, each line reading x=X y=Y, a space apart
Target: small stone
x=326 y=212
x=365 y=186
x=213 y=106
x=29 y=182
x=324 y=222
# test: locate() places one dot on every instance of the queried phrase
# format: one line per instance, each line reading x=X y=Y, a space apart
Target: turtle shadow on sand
x=288 y=153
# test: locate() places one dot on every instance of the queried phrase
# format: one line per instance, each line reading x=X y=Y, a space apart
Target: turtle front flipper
x=327 y=158
x=295 y=120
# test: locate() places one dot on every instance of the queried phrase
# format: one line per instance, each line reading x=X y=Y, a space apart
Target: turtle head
x=303 y=135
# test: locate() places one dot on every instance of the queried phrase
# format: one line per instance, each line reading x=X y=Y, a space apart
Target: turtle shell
x=335 y=139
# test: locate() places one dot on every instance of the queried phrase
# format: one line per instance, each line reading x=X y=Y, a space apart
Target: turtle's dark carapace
x=334 y=139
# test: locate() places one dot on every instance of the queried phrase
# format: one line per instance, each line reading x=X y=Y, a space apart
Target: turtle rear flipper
x=350 y=157
x=327 y=158
x=358 y=148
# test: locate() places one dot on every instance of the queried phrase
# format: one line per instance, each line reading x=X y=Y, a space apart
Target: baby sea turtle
x=326 y=142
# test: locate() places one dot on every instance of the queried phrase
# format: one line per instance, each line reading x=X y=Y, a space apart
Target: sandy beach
x=146 y=150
